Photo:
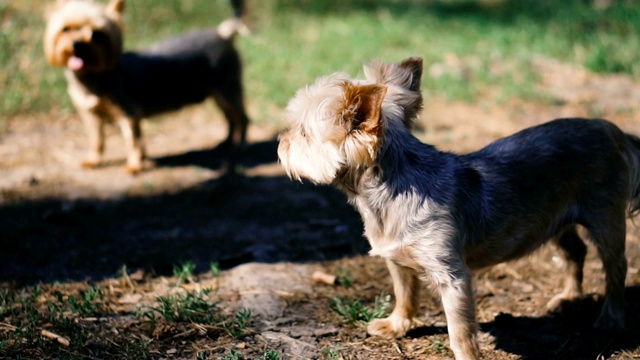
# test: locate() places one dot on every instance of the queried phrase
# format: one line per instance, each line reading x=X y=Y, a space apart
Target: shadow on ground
x=249 y=155
x=232 y=220
x=567 y=334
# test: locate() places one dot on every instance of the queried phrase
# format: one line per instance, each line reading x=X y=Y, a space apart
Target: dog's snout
x=78 y=46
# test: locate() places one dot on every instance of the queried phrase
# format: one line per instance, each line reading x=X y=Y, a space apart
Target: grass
x=31 y=310
x=468 y=46
x=355 y=312
x=184 y=272
x=344 y=278
x=333 y=353
x=86 y=317
x=214 y=269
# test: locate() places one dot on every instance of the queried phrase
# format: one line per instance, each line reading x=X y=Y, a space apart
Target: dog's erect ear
x=363 y=106
x=413 y=64
x=116 y=7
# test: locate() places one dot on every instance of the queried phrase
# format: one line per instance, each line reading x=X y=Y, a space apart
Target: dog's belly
x=501 y=249
x=483 y=257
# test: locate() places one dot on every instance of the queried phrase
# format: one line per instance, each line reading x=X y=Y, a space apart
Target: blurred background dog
x=107 y=84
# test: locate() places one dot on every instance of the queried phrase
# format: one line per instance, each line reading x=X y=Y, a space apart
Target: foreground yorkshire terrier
x=435 y=216
x=106 y=84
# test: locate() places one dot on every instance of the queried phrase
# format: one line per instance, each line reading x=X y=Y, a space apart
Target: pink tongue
x=75 y=63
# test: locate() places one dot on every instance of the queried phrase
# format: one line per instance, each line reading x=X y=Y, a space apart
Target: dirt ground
x=63 y=225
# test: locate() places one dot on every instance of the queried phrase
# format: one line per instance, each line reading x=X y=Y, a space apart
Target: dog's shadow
x=247 y=155
x=566 y=334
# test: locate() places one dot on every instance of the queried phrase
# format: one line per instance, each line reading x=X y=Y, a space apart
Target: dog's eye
x=66 y=29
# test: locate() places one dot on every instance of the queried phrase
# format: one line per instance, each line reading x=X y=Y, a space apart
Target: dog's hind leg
x=231 y=102
x=573 y=250
x=406 y=288
x=610 y=242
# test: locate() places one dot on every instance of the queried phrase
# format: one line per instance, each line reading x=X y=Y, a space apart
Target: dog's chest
x=81 y=96
x=396 y=236
x=398 y=253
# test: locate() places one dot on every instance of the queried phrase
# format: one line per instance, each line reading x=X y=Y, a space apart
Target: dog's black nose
x=81 y=48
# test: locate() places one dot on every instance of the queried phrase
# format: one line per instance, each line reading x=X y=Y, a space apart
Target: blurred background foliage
x=469 y=46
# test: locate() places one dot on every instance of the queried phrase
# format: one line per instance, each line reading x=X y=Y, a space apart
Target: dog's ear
x=406 y=74
x=414 y=65
x=363 y=106
x=116 y=7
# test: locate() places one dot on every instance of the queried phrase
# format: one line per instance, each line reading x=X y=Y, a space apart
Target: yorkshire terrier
x=436 y=216
x=107 y=84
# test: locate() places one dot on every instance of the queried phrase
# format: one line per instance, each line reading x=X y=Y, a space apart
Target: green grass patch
x=293 y=42
x=355 y=312
x=31 y=310
x=184 y=272
x=197 y=308
x=87 y=317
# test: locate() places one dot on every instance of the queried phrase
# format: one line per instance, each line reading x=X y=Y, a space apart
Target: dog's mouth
x=85 y=57
x=75 y=63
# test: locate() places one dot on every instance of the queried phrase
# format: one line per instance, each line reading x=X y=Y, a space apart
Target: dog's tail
x=633 y=158
x=228 y=28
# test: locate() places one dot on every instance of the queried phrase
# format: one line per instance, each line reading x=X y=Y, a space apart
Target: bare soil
x=66 y=227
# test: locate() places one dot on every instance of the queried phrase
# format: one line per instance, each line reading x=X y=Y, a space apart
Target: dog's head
x=83 y=36
x=338 y=123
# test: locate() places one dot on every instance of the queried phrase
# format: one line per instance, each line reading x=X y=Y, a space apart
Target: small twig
x=515 y=274
x=398 y=348
x=419 y=323
x=184 y=333
x=61 y=340
x=320 y=277
x=489 y=285
x=283 y=293
x=8 y=326
x=539 y=285
x=126 y=278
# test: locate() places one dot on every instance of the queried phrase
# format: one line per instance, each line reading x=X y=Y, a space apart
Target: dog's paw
x=390 y=327
x=133 y=170
x=89 y=163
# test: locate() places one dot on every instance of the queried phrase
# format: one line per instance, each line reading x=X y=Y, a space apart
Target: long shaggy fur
x=436 y=216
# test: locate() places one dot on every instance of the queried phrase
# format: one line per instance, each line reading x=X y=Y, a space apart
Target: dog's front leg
x=459 y=308
x=132 y=133
x=406 y=291
x=93 y=124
